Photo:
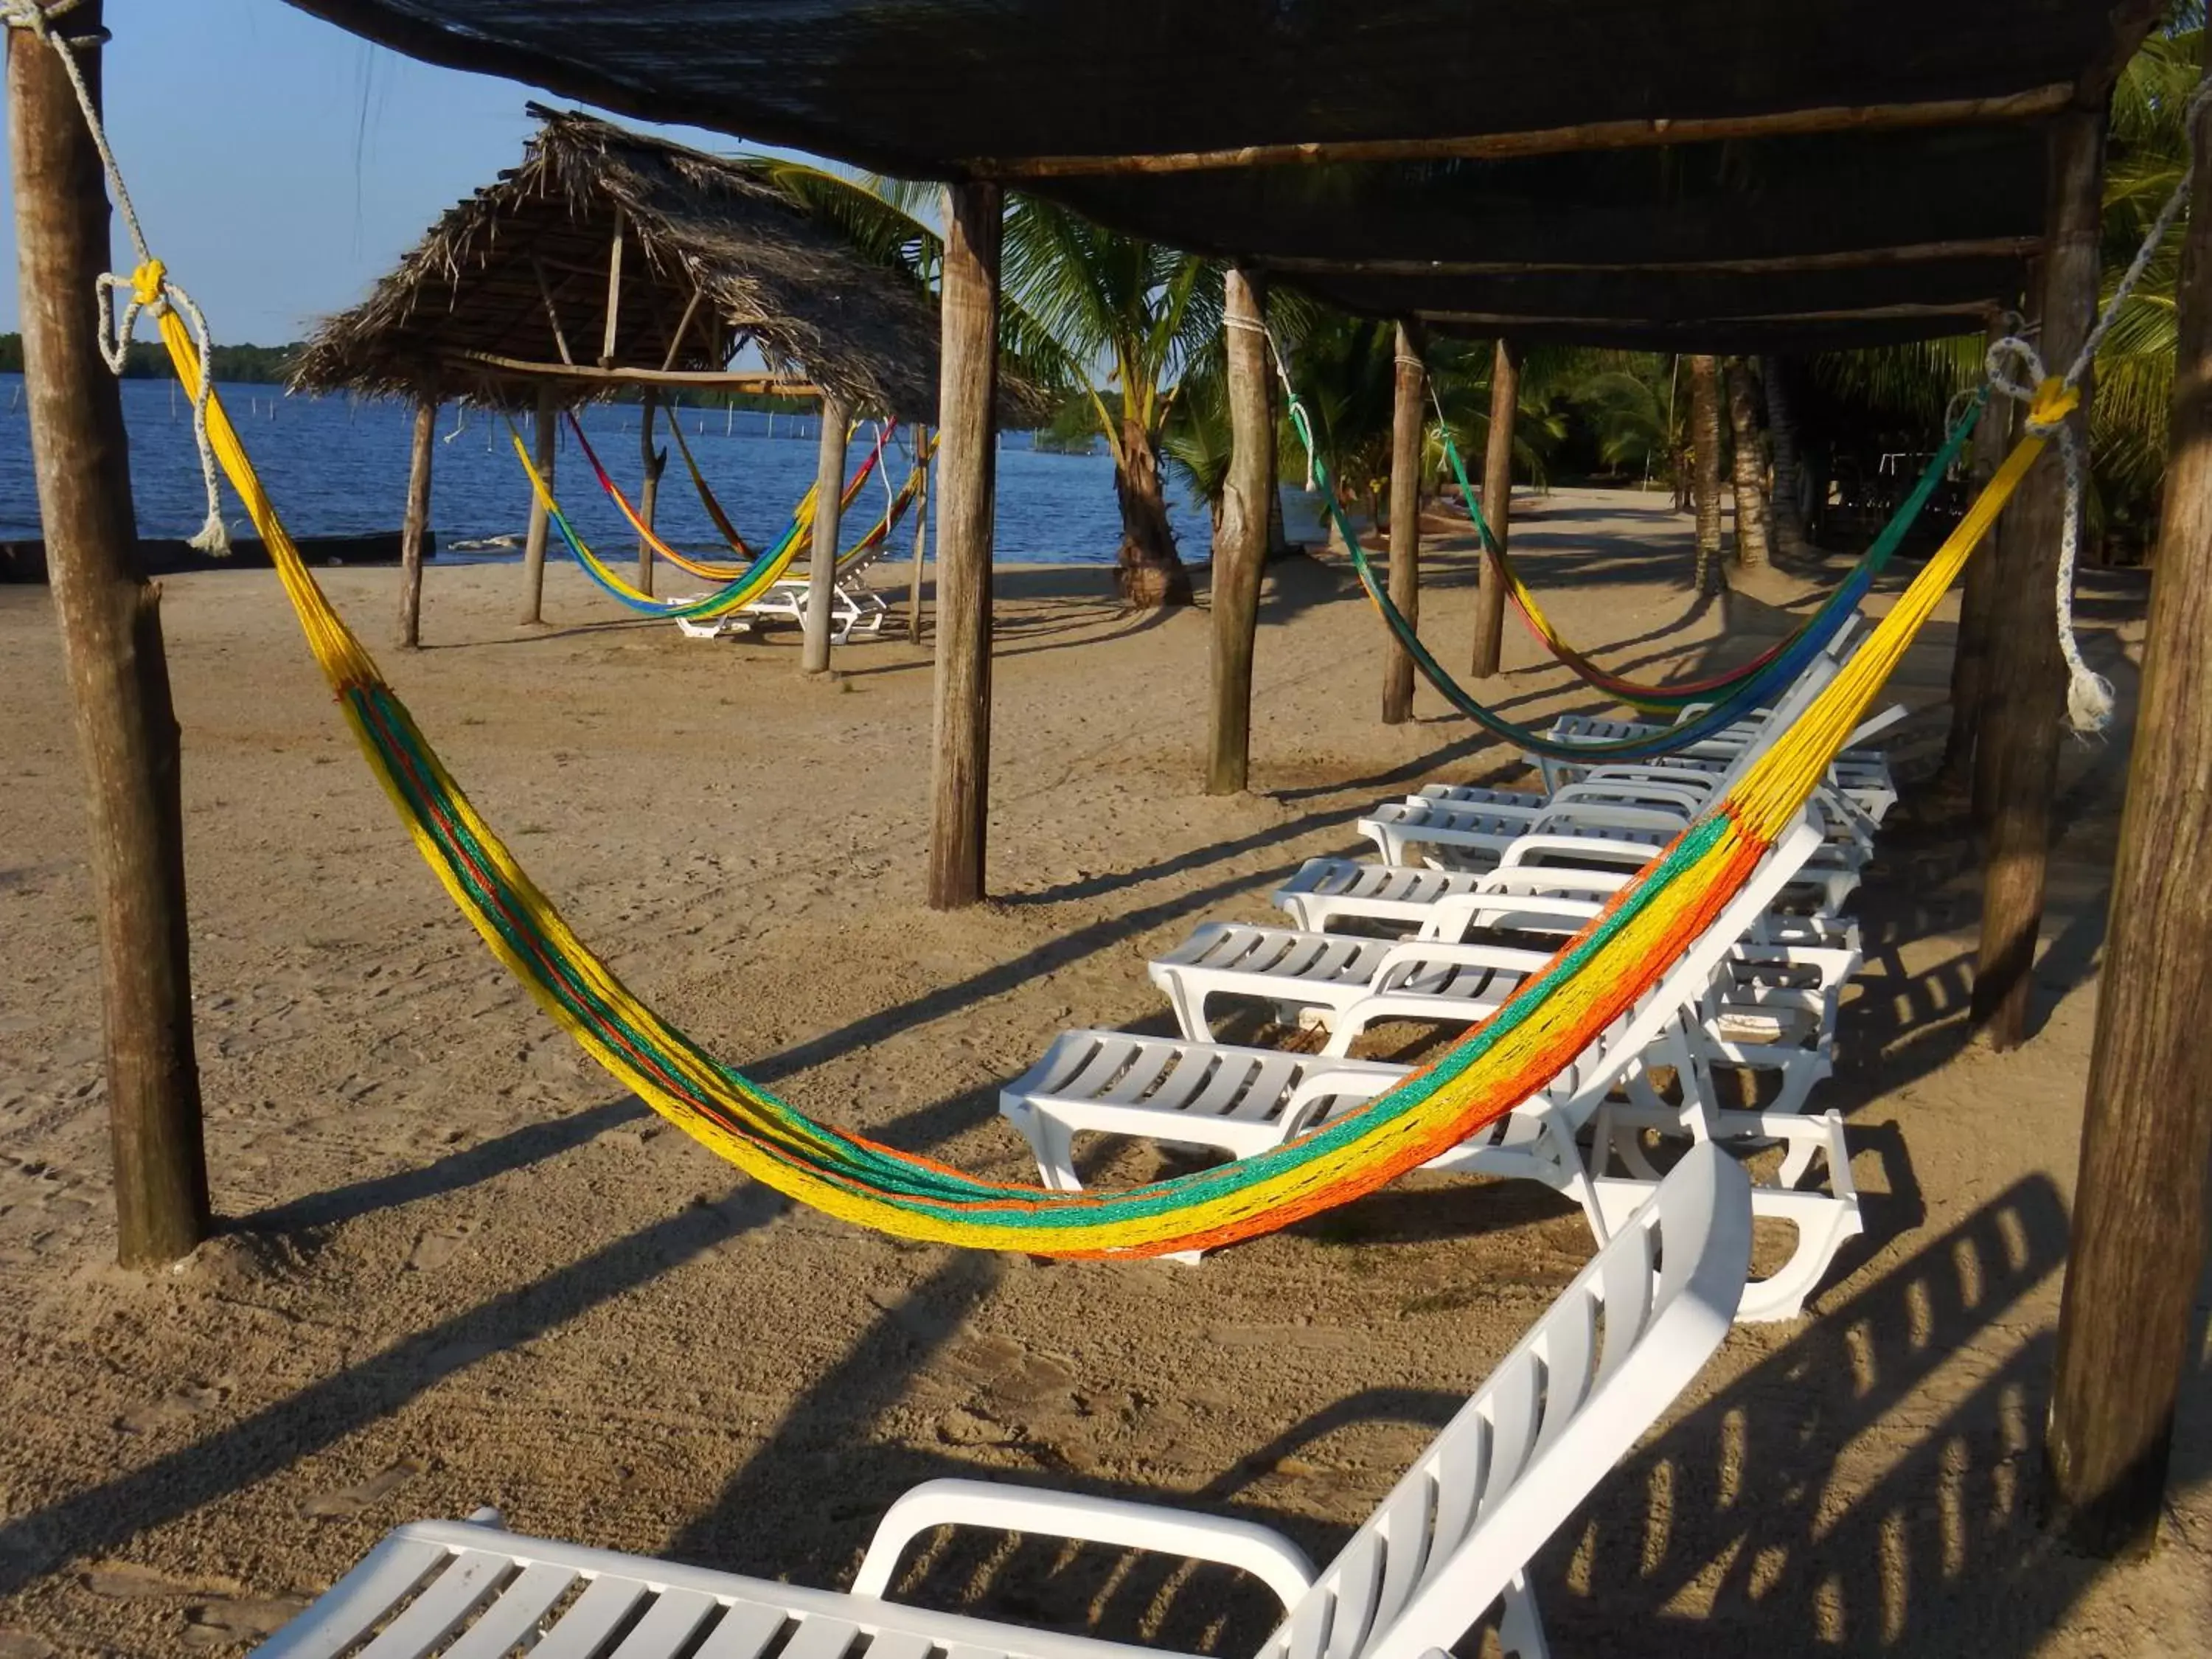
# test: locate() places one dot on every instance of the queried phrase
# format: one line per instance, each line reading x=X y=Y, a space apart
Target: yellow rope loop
x=150 y=282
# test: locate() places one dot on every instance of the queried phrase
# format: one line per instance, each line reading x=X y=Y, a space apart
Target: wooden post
x=822 y=555
x=2139 y=1222
x=417 y=524
x=1977 y=597
x=653 y=460
x=614 y=294
x=111 y=627
x=967 y=458
x=1408 y=384
x=533 y=545
x=1240 y=543
x=2025 y=688
x=1497 y=506
x=920 y=543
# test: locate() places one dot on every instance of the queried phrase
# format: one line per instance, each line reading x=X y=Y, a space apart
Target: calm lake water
x=338 y=467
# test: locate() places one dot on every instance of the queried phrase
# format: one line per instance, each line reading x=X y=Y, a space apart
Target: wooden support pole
x=1408 y=383
x=967 y=466
x=920 y=543
x=821 y=554
x=1240 y=541
x=533 y=544
x=651 y=461
x=1977 y=598
x=110 y=620
x=614 y=294
x=2139 y=1221
x=1496 y=507
x=2026 y=684
x=1754 y=546
x=416 y=525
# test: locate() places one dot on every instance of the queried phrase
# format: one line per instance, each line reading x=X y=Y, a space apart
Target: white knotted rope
x=37 y=17
x=2088 y=694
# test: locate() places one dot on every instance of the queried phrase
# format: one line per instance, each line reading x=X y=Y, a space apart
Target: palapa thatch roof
x=814 y=307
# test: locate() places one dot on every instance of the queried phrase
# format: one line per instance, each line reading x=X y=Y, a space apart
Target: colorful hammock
x=764 y=572
x=715 y=573
x=1595 y=978
x=1651 y=699
x=1780 y=668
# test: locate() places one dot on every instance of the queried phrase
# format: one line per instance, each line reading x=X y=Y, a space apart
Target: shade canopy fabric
x=1604 y=141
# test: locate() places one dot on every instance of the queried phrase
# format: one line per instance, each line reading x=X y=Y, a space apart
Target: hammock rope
x=1741 y=699
x=1594 y=979
x=1667 y=699
x=661 y=549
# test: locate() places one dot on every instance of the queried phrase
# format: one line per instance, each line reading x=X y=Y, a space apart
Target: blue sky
x=280 y=164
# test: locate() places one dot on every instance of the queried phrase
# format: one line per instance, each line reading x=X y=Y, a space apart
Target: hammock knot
x=2054 y=400
x=148 y=281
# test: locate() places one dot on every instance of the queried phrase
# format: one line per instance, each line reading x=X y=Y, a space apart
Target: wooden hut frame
x=611 y=260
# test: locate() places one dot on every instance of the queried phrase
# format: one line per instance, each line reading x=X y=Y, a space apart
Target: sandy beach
x=460 y=1267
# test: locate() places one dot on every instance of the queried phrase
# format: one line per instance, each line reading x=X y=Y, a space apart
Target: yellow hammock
x=1594 y=979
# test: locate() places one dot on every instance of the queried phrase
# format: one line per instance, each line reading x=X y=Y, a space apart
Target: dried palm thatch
x=519 y=270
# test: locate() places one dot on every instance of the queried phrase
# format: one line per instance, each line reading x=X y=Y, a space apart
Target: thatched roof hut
x=714 y=254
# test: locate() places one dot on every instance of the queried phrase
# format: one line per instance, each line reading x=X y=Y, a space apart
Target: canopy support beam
x=533 y=544
x=1240 y=544
x=822 y=555
x=1496 y=507
x=2025 y=105
x=2139 y=1221
x=416 y=526
x=110 y=620
x=1408 y=383
x=966 y=464
x=2026 y=679
x=584 y=374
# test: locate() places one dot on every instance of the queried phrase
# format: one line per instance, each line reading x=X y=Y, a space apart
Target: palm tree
x=1705 y=442
x=1754 y=546
x=1788 y=500
x=1147 y=312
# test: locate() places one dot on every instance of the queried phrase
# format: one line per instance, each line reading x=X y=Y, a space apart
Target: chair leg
x=1053 y=1143
x=1520 y=1630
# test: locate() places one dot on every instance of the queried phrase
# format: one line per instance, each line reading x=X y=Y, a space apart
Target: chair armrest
x=1267 y=1556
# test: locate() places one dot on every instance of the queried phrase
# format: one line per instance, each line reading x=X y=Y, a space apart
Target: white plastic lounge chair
x=854 y=612
x=1064 y=1095
x=1452 y=1541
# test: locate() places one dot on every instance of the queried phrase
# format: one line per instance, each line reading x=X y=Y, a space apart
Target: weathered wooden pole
x=2139 y=1222
x=111 y=627
x=2025 y=683
x=533 y=544
x=1977 y=596
x=920 y=542
x=1240 y=542
x=822 y=552
x=1408 y=384
x=416 y=526
x=1496 y=507
x=652 y=462
x=1787 y=499
x=967 y=468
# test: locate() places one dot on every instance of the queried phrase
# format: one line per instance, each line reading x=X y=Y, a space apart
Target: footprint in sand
x=178 y=1406
x=1011 y=1370
x=435 y=1248
x=231 y=1623
x=127 y=1580
x=26 y=1645
x=334 y=1505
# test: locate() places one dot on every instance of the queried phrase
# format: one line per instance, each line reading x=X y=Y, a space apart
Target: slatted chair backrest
x=1565 y=1406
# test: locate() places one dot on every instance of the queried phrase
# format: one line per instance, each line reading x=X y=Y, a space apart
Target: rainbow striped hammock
x=1672 y=700
x=1777 y=669
x=1595 y=977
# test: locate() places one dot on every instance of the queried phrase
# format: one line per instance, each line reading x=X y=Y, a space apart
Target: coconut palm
x=1145 y=312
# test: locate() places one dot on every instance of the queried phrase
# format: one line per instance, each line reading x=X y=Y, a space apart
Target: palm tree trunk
x=1151 y=574
x=1753 y=545
x=1789 y=539
x=1705 y=468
